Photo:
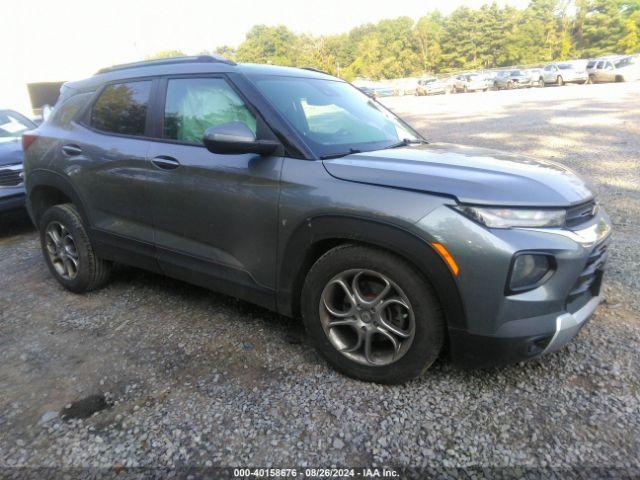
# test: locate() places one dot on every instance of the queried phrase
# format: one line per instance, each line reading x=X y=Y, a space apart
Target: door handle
x=71 y=150
x=165 y=162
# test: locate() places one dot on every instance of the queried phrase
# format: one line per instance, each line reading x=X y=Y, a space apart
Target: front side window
x=333 y=117
x=600 y=65
x=195 y=104
x=122 y=108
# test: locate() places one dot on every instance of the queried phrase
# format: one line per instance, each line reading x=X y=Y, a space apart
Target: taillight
x=27 y=139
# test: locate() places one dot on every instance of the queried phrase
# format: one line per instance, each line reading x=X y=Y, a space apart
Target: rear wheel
x=372 y=315
x=68 y=251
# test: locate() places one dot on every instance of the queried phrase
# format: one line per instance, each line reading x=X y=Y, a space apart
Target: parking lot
x=190 y=377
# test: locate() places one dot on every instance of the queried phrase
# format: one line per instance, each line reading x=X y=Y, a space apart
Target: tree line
x=467 y=39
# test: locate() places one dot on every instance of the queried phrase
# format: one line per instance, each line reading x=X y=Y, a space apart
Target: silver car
x=615 y=69
x=430 y=86
x=470 y=82
x=561 y=73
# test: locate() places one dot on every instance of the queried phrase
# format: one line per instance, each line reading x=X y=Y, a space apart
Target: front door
x=215 y=216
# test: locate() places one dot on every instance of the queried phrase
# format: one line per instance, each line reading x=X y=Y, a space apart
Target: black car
x=12 y=126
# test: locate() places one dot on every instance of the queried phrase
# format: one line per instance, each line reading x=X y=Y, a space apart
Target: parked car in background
x=536 y=77
x=291 y=189
x=12 y=126
x=430 y=86
x=470 y=82
x=512 y=79
x=615 y=69
x=383 y=90
x=561 y=73
x=405 y=86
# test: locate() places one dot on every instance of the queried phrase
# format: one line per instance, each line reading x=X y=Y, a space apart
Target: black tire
x=541 y=82
x=559 y=81
x=429 y=321
x=92 y=272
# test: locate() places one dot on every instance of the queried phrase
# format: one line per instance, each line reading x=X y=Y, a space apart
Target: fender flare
x=299 y=254
x=48 y=178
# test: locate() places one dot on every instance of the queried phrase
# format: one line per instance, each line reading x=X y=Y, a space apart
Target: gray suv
x=293 y=190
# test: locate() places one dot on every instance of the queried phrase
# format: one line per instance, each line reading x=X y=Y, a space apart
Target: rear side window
x=122 y=108
x=195 y=104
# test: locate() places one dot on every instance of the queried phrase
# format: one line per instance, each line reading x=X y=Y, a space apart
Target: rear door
x=215 y=216
x=107 y=156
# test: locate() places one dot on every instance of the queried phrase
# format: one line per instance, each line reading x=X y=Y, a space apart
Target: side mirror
x=235 y=138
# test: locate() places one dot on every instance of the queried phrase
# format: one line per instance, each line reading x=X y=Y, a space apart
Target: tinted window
x=591 y=64
x=195 y=104
x=122 y=108
x=564 y=66
x=600 y=64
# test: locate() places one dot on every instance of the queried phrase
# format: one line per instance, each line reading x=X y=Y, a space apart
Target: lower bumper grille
x=11 y=176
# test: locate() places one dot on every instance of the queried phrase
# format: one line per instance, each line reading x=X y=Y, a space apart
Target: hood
x=10 y=151
x=471 y=175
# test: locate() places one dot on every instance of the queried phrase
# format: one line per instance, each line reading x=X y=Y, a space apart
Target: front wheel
x=372 y=315
x=559 y=81
x=68 y=251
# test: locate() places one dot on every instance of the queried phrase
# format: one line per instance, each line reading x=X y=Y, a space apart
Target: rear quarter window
x=122 y=108
x=66 y=110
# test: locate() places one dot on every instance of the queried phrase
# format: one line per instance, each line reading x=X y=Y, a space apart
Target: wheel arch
x=320 y=234
x=46 y=189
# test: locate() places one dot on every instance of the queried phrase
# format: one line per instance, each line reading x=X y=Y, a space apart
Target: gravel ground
x=192 y=378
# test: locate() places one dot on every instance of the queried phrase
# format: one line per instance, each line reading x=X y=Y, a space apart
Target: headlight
x=514 y=217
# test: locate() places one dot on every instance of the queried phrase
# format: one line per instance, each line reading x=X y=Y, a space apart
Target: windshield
x=333 y=117
x=13 y=125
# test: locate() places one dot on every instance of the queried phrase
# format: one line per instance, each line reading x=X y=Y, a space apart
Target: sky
x=52 y=40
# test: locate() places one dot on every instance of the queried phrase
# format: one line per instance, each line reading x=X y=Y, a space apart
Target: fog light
x=530 y=270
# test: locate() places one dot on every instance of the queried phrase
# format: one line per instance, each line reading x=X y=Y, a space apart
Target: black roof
x=188 y=65
x=169 y=61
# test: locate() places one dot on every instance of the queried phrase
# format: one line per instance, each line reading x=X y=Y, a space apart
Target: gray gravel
x=195 y=378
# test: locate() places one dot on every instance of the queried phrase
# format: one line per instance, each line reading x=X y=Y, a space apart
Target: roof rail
x=169 y=61
x=314 y=69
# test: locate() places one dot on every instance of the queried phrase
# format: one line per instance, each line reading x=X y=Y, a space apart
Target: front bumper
x=500 y=327
x=12 y=198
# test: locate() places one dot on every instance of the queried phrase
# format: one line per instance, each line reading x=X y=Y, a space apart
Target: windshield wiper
x=404 y=143
x=338 y=155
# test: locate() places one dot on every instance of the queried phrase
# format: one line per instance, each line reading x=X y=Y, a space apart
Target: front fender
x=300 y=252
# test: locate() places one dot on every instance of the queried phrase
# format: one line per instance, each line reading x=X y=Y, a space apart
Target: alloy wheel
x=62 y=251
x=367 y=317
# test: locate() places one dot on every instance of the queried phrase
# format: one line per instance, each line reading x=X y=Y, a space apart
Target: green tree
x=630 y=43
x=428 y=34
x=264 y=44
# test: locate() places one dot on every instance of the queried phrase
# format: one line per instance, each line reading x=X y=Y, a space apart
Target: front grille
x=580 y=213
x=11 y=176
